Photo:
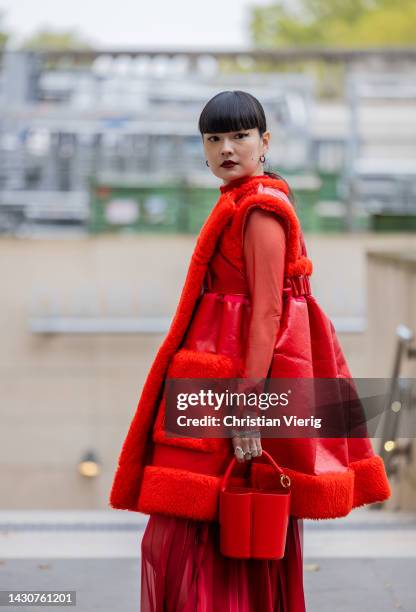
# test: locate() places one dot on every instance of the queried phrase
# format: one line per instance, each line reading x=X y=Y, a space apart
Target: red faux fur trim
x=302 y=266
x=179 y=493
x=233 y=245
x=238 y=188
x=333 y=494
x=127 y=479
x=320 y=496
x=187 y=363
x=193 y=495
x=371 y=483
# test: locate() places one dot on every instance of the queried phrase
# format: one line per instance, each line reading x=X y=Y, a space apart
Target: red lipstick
x=228 y=164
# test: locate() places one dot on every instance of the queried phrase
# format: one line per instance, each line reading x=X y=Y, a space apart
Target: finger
x=246 y=448
x=245 y=443
x=253 y=447
x=237 y=444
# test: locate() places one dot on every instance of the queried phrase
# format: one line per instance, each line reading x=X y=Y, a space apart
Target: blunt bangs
x=230 y=111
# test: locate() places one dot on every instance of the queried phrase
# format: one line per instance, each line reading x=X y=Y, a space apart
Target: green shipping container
x=123 y=207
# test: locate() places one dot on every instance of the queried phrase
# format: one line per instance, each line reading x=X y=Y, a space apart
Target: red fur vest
x=181 y=476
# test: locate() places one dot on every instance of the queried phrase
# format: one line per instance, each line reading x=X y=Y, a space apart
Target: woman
x=246 y=311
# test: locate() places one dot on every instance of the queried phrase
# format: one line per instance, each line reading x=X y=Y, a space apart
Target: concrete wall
x=392 y=301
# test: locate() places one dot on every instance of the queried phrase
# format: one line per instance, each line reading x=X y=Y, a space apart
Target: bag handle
x=284 y=478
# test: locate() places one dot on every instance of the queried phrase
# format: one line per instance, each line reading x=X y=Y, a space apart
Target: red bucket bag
x=253 y=522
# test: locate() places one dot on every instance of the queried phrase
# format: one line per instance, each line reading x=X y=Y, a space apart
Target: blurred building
x=71 y=123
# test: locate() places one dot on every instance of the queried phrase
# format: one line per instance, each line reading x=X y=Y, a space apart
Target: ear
x=266 y=139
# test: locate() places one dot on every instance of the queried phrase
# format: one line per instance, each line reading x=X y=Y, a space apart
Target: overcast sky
x=134 y=23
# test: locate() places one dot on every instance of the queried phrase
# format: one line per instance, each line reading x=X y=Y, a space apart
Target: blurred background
x=104 y=187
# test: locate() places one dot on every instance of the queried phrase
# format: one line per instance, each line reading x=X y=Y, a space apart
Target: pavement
x=364 y=561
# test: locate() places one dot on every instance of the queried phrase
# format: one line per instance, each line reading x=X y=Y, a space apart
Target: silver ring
x=247 y=453
x=238 y=448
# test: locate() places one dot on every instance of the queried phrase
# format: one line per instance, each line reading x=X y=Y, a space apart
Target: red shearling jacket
x=181 y=477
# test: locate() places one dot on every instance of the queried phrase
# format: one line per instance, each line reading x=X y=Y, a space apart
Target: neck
x=247 y=176
x=242 y=180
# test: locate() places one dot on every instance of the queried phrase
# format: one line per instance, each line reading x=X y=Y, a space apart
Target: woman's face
x=244 y=148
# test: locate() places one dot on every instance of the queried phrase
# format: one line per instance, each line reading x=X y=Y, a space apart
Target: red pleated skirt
x=183 y=571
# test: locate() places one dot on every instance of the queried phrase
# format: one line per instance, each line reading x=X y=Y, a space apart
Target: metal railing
x=395 y=409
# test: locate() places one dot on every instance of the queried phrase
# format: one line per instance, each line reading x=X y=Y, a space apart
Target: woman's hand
x=245 y=448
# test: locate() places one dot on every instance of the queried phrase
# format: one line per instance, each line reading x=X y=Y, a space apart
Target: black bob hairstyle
x=230 y=111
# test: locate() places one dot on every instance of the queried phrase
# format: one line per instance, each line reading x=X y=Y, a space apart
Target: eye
x=242 y=134
x=210 y=138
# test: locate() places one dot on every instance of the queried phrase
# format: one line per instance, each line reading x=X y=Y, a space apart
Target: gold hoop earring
x=262 y=160
x=206 y=161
